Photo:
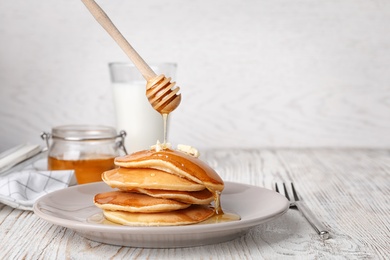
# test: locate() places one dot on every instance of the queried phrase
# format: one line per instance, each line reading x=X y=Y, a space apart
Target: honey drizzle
x=165 y=119
x=219 y=214
x=217 y=203
x=217 y=194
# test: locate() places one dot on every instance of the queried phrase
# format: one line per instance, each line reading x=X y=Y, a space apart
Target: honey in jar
x=88 y=150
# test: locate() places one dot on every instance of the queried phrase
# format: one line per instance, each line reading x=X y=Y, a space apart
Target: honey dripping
x=219 y=215
x=217 y=202
x=165 y=120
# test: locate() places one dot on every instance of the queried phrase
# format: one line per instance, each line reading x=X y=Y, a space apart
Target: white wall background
x=274 y=73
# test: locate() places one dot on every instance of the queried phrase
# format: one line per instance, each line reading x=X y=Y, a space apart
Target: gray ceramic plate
x=73 y=208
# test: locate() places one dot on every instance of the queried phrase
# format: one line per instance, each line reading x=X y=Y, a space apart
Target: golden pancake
x=128 y=179
x=192 y=197
x=191 y=215
x=174 y=162
x=135 y=202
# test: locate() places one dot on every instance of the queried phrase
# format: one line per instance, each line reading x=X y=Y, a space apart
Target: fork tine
x=276 y=187
x=294 y=192
x=285 y=191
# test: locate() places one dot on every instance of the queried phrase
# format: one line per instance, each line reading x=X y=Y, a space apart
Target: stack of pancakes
x=160 y=188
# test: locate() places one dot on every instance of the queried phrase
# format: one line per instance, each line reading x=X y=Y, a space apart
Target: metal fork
x=295 y=202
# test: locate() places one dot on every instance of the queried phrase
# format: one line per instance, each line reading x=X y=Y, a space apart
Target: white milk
x=134 y=114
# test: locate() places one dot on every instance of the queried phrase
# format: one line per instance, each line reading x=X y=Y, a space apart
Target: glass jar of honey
x=88 y=150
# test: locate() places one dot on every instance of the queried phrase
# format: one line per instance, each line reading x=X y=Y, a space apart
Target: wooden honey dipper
x=160 y=92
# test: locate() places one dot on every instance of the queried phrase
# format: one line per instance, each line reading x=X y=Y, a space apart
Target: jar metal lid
x=83 y=132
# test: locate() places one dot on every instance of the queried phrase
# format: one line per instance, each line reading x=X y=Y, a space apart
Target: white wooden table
x=349 y=189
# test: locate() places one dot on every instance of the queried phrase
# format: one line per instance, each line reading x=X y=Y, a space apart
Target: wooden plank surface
x=347 y=189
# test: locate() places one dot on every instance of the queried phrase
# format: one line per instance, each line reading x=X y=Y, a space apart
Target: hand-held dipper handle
x=161 y=93
x=107 y=24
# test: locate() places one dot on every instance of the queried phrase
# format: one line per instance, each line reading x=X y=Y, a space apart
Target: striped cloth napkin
x=22 y=188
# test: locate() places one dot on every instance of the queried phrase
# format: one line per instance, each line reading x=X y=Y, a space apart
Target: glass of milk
x=134 y=114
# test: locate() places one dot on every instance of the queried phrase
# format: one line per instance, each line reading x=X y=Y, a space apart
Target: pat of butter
x=188 y=150
x=160 y=146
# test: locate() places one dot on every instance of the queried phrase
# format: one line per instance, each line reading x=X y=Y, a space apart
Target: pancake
x=128 y=179
x=135 y=202
x=174 y=162
x=191 y=215
x=192 y=197
x=161 y=187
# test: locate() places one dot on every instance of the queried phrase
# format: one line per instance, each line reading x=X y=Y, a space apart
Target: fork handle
x=314 y=222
